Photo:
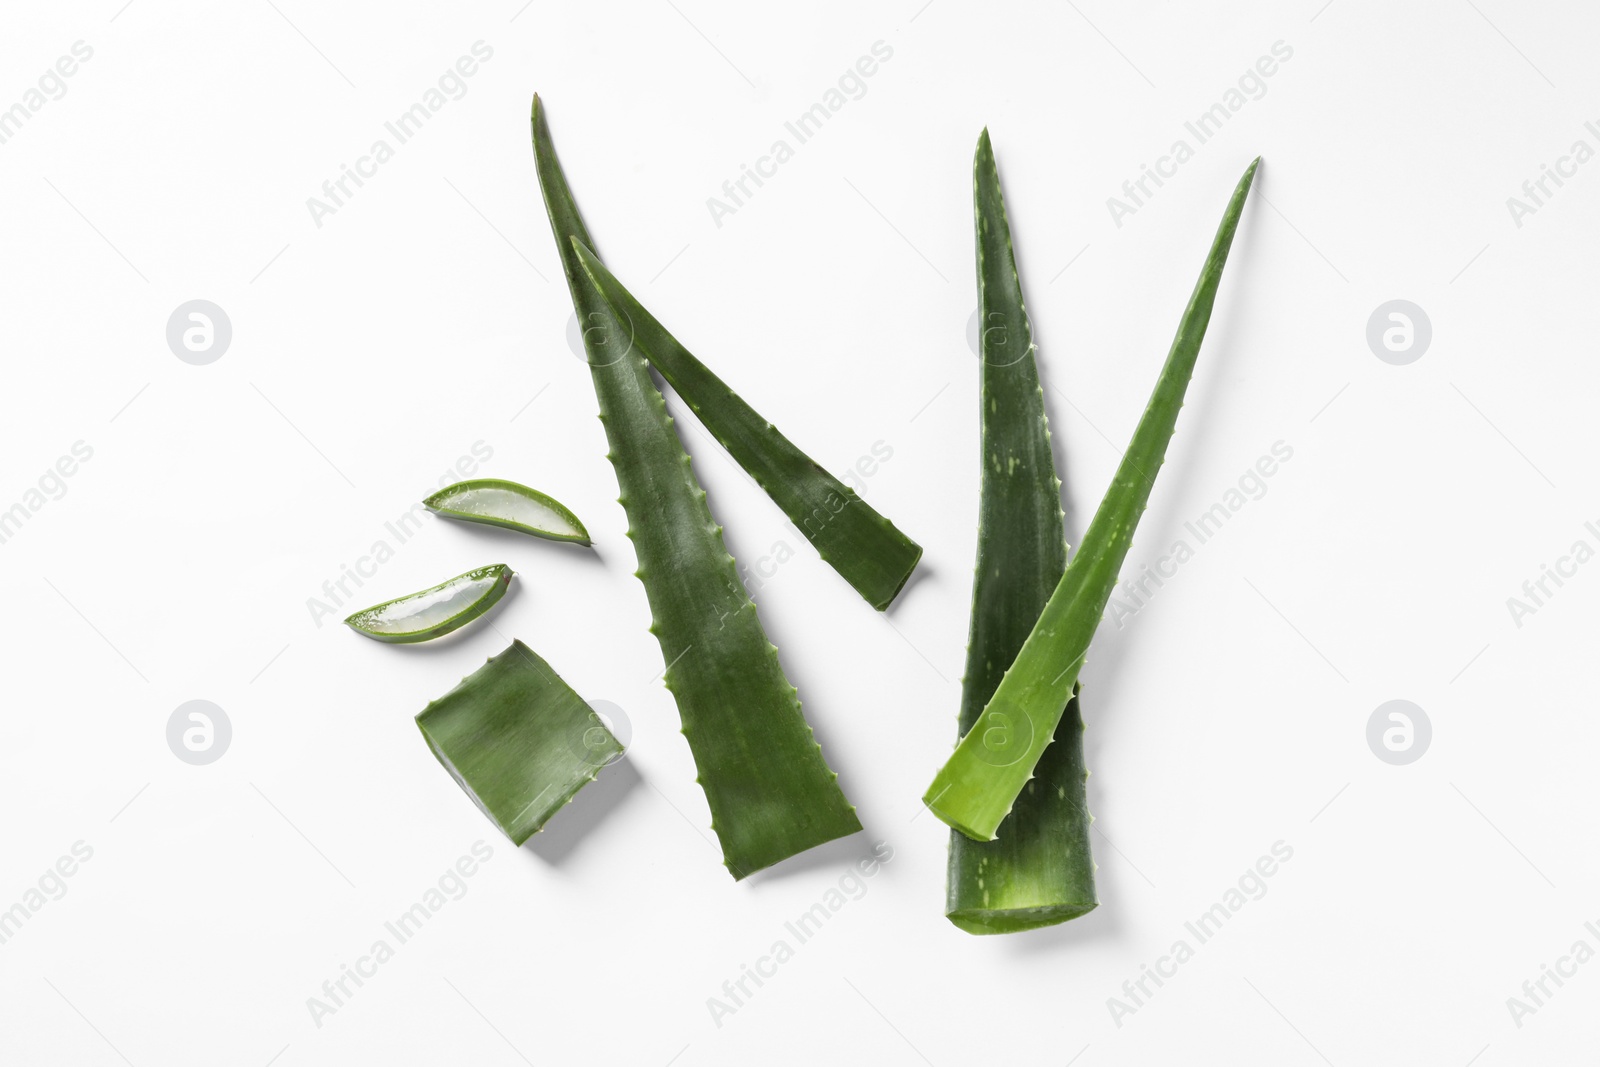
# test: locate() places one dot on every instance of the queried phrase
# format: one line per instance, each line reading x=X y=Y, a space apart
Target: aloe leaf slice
x=977 y=787
x=850 y=535
x=518 y=740
x=770 y=791
x=1040 y=871
x=436 y=611
x=498 y=502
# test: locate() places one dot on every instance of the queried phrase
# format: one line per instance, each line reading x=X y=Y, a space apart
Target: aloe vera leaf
x=1040 y=871
x=977 y=786
x=498 y=502
x=435 y=611
x=517 y=740
x=847 y=532
x=770 y=792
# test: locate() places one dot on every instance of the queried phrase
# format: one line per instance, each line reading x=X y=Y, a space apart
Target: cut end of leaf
x=1016 y=920
x=882 y=604
x=850 y=824
x=954 y=821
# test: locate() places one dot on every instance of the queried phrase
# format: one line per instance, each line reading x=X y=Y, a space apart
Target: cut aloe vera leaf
x=434 y=612
x=517 y=740
x=977 y=787
x=497 y=502
x=771 y=793
x=1040 y=871
x=847 y=532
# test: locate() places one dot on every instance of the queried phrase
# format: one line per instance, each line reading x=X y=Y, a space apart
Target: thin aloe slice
x=770 y=791
x=434 y=612
x=498 y=502
x=517 y=740
x=847 y=532
x=1040 y=871
x=977 y=787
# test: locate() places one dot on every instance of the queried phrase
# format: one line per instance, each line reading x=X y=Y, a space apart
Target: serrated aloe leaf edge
x=770 y=792
x=435 y=611
x=850 y=535
x=977 y=787
x=1039 y=872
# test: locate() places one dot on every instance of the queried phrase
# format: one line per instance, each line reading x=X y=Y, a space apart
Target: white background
x=428 y=314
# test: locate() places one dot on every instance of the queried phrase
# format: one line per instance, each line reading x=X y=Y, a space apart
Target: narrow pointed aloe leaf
x=979 y=784
x=517 y=740
x=770 y=792
x=512 y=505
x=1039 y=872
x=436 y=611
x=847 y=532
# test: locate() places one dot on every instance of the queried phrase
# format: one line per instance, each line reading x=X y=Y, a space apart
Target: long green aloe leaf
x=1039 y=872
x=977 y=787
x=847 y=532
x=517 y=740
x=770 y=791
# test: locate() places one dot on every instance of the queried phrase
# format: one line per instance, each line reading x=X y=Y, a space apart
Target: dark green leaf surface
x=1040 y=871
x=770 y=792
x=518 y=740
x=976 y=788
x=847 y=532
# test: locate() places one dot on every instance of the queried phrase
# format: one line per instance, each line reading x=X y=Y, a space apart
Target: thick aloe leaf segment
x=434 y=612
x=1039 y=872
x=976 y=788
x=498 y=502
x=770 y=791
x=518 y=740
x=863 y=546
